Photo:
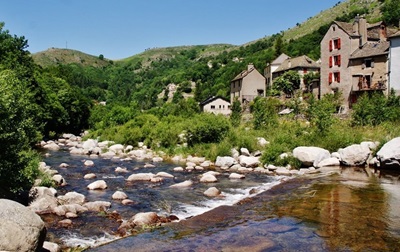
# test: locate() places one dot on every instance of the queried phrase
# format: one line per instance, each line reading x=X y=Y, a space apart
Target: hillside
x=302 y=28
x=141 y=78
x=328 y=16
x=53 y=56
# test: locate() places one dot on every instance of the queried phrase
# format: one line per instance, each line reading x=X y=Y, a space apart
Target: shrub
x=207 y=128
x=320 y=112
x=374 y=109
x=264 y=111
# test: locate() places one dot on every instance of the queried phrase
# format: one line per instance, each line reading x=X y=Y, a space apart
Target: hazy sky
x=121 y=28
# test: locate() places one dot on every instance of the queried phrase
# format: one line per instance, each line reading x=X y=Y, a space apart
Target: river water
x=339 y=209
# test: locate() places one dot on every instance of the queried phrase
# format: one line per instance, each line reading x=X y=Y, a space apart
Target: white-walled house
x=216 y=105
x=394 y=65
x=271 y=68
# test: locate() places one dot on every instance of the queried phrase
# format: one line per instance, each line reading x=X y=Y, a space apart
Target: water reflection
x=354 y=210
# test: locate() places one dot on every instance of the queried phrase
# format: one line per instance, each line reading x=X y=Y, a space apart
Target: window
x=260 y=92
x=304 y=70
x=336 y=60
x=337 y=44
x=368 y=63
x=212 y=106
x=336 y=77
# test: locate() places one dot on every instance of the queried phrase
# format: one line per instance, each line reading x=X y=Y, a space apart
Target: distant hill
x=54 y=56
x=302 y=28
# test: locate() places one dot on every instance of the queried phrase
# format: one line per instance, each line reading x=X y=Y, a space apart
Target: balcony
x=365 y=86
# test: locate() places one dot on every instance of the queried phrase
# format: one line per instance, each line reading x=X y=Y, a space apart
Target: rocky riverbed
x=352 y=209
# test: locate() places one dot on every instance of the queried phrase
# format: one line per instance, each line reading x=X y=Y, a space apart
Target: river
x=339 y=209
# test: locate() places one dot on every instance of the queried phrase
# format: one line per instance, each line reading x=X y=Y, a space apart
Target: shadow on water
x=353 y=210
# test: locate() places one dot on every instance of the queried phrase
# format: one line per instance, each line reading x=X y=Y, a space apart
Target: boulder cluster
x=25 y=222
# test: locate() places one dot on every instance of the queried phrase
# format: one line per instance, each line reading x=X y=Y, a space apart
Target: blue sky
x=122 y=28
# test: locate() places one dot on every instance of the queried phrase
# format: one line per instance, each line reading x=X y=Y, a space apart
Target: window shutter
x=330 y=78
x=339 y=44
x=330 y=61
x=330 y=45
x=363 y=65
x=338 y=77
x=372 y=64
x=339 y=60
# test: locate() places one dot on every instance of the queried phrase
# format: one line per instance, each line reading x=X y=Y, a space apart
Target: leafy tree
x=18 y=165
x=320 y=112
x=236 y=115
x=391 y=12
x=279 y=45
x=264 y=112
x=207 y=128
x=374 y=109
x=288 y=82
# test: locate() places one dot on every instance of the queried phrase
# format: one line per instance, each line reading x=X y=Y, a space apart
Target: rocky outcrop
x=389 y=155
x=20 y=229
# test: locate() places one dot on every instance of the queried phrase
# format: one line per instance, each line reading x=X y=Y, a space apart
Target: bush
x=320 y=112
x=374 y=109
x=207 y=128
x=265 y=111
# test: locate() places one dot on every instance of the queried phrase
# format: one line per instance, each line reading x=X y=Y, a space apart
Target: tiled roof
x=243 y=74
x=301 y=61
x=373 y=30
x=211 y=99
x=394 y=34
x=281 y=58
x=371 y=49
x=347 y=27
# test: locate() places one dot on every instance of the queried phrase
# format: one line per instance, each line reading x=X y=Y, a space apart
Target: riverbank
x=351 y=210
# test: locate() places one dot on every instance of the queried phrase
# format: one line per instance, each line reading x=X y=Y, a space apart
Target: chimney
x=362 y=29
x=383 y=33
x=250 y=66
x=356 y=24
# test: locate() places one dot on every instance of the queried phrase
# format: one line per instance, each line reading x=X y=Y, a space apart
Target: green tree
x=236 y=115
x=320 y=112
x=288 y=82
x=278 y=46
x=18 y=164
x=391 y=12
x=265 y=111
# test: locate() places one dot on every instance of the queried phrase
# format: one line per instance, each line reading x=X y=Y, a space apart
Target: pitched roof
x=211 y=99
x=301 y=61
x=394 y=34
x=281 y=58
x=371 y=49
x=347 y=27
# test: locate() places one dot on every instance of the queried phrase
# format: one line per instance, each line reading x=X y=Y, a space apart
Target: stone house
x=302 y=65
x=394 y=66
x=247 y=85
x=369 y=69
x=271 y=68
x=350 y=48
x=216 y=105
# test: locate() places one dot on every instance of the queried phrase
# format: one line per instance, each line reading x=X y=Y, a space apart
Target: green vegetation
x=60 y=91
